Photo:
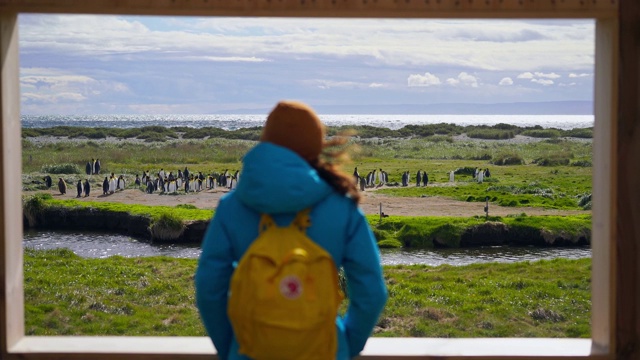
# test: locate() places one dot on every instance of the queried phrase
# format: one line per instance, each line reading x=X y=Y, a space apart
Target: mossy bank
x=185 y=223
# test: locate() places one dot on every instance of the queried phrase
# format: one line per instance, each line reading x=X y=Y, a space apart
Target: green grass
x=69 y=295
x=528 y=299
x=166 y=214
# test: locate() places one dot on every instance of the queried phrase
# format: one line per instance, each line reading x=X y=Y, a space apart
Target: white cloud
x=52 y=98
x=376 y=85
x=567 y=85
x=545 y=82
x=55 y=86
x=525 y=75
x=506 y=81
x=547 y=76
x=573 y=75
x=464 y=79
x=225 y=58
x=505 y=44
x=427 y=79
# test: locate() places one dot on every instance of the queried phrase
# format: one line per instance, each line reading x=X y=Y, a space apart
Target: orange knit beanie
x=296 y=126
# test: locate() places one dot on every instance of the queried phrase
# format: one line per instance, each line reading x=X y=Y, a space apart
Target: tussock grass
x=167 y=227
x=69 y=295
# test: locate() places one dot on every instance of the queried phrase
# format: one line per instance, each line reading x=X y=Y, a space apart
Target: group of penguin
x=377 y=178
x=165 y=183
x=170 y=183
x=83 y=188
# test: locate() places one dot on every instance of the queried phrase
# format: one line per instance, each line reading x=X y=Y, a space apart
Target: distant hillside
x=519 y=108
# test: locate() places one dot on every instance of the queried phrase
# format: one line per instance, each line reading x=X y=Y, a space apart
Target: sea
x=233 y=122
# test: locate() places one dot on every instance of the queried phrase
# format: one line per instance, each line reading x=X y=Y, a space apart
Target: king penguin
x=62 y=186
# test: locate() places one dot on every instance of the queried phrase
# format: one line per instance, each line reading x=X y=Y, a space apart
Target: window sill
x=124 y=347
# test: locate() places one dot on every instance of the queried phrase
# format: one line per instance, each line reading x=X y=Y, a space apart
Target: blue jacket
x=277 y=181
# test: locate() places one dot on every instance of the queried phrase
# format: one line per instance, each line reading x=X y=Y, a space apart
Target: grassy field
x=553 y=173
x=69 y=295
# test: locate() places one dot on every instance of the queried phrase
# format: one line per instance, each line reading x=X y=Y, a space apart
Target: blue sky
x=77 y=64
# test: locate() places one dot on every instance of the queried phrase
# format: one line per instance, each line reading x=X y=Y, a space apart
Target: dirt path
x=404 y=206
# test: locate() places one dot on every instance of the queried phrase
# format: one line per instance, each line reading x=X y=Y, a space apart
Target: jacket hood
x=276 y=180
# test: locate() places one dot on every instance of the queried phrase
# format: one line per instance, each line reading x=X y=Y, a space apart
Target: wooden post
x=486 y=208
x=627 y=187
x=11 y=296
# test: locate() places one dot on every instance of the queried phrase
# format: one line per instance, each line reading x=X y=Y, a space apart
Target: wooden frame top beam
x=597 y=9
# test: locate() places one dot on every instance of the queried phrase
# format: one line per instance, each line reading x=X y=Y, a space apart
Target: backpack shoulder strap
x=266 y=222
x=302 y=220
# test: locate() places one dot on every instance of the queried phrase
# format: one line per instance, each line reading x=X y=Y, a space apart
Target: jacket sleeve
x=366 y=287
x=212 y=280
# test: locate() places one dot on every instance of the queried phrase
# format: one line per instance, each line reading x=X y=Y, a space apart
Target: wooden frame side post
x=604 y=175
x=628 y=187
x=11 y=295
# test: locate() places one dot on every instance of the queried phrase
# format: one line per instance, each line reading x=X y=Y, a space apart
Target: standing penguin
x=87 y=188
x=112 y=184
x=97 y=166
x=62 y=186
x=79 y=188
x=88 y=168
x=150 y=187
x=105 y=186
x=425 y=179
x=418 y=178
x=121 y=183
x=47 y=181
x=356 y=176
x=363 y=183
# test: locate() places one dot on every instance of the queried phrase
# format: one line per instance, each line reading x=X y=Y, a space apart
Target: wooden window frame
x=614 y=333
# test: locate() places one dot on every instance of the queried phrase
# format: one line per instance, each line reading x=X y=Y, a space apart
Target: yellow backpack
x=284 y=295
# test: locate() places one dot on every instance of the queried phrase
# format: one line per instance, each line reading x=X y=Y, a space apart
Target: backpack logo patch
x=291 y=287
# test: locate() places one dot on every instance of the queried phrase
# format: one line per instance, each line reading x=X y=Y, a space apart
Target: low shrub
x=585 y=201
x=582 y=163
x=552 y=161
x=467 y=170
x=151 y=137
x=584 y=133
x=544 y=133
x=485 y=156
x=507 y=159
x=61 y=169
x=491 y=134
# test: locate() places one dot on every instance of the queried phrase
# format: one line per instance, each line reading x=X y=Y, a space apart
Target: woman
x=282 y=175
